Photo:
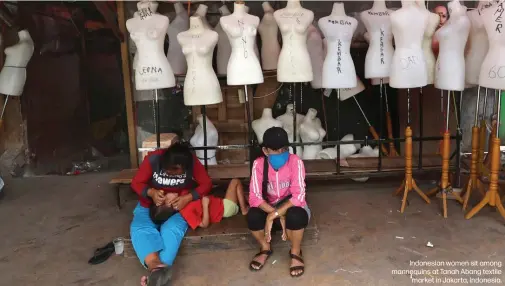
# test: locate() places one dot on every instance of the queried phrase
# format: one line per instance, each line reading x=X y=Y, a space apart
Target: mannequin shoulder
x=211 y=35
x=254 y=20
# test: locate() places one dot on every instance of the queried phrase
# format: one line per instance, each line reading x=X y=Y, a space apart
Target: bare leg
x=260 y=238
x=283 y=224
x=296 y=236
x=235 y=193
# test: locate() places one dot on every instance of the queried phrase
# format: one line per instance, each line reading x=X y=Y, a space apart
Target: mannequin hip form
x=12 y=80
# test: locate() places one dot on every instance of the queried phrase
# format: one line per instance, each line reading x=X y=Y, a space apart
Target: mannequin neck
x=338 y=9
x=145 y=10
x=24 y=35
x=421 y=4
x=289 y=109
x=455 y=9
x=293 y=4
x=179 y=8
x=239 y=9
x=267 y=8
x=379 y=5
x=201 y=10
x=200 y=120
x=196 y=25
x=311 y=114
x=407 y=3
x=267 y=113
x=224 y=10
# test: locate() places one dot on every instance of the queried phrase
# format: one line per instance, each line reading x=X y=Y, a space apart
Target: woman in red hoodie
x=175 y=177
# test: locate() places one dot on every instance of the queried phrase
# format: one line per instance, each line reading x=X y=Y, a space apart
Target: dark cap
x=275 y=138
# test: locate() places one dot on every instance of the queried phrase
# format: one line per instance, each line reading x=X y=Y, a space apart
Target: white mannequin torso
x=380 y=51
x=266 y=121
x=492 y=73
x=317 y=55
x=153 y=71
x=450 y=67
x=408 y=69
x=287 y=124
x=201 y=12
x=256 y=50
x=478 y=45
x=345 y=150
x=294 y=60
x=269 y=31
x=197 y=140
x=431 y=26
x=13 y=74
x=201 y=86
x=174 y=55
x=244 y=66
x=338 y=67
x=311 y=131
x=223 y=44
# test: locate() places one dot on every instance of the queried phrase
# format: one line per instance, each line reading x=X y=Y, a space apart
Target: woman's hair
x=178 y=154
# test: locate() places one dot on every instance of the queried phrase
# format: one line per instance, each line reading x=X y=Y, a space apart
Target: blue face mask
x=278 y=160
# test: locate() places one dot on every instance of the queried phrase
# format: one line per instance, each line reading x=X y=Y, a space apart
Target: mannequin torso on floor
x=287 y=124
x=198 y=140
x=450 y=67
x=201 y=12
x=478 y=45
x=266 y=121
x=294 y=60
x=408 y=69
x=380 y=51
x=269 y=31
x=338 y=67
x=223 y=44
x=174 y=54
x=244 y=66
x=153 y=71
x=13 y=74
x=201 y=86
x=431 y=26
x=317 y=55
x=492 y=73
x=311 y=132
x=345 y=150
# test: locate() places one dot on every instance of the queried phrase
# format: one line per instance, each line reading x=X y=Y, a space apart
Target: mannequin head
x=442 y=12
x=267 y=8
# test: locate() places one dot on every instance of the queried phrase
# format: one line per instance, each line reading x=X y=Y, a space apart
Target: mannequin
x=133 y=49
x=13 y=74
x=338 y=67
x=153 y=71
x=266 y=121
x=201 y=12
x=345 y=150
x=408 y=69
x=243 y=67
x=431 y=26
x=174 y=54
x=477 y=44
x=294 y=60
x=223 y=44
x=198 y=140
x=269 y=31
x=287 y=124
x=317 y=54
x=380 y=51
x=450 y=68
x=365 y=152
x=256 y=50
x=492 y=72
x=311 y=131
x=201 y=86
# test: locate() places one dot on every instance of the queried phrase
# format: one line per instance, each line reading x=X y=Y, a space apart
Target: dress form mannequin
x=153 y=71
x=338 y=67
x=492 y=72
x=450 y=68
x=256 y=50
x=201 y=12
x=345 y=150
x=201 y=86
x=198 y=140
x=223 y=44
x=287 y=124
x=266 y=121
x=431 y=26
x=294 y=60
x=478 y=45
x=317 y=54
x=174 y=54
x=13 y=74
x=244 y=66
x=408 y=69
x=380 y=51
x=269 y=31
x=310 y=132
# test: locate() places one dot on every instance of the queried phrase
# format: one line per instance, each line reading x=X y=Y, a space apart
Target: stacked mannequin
x=311 y=131
x=198 y=140
x=179 y=24
x=287 y=124
x=270 y=47
x=345 y=150
x=201 y=12
x=431 y=26
x=478 y=45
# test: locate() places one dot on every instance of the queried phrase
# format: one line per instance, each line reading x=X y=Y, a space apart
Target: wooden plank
x=124 y=177
x=130 y=112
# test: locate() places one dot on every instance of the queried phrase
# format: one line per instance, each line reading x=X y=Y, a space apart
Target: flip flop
x=102 y=254
x=294 y=268
x=268 y=253
x=160 y=276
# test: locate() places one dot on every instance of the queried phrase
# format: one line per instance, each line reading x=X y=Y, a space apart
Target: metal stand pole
x=379 y=163
x=156 y=115
x=338 y=131
x=3 y=110
x=249 y=127
x=204 y=120
x=421 y=126
x=294 y=117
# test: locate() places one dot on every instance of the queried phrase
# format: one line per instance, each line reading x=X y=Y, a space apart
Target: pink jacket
x=289 y=179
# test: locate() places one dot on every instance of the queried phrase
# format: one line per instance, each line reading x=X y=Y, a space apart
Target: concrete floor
x=50 y=227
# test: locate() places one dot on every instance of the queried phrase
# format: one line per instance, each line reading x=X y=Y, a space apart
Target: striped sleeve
x=255 y=185
x=297 y=187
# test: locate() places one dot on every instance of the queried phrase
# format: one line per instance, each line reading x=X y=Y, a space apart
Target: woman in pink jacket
x=281 y=196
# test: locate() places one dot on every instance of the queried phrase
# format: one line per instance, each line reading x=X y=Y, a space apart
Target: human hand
x=158 y=196
x=169 y=198
x=180 y=202
x=283 y=224
x=268 y=230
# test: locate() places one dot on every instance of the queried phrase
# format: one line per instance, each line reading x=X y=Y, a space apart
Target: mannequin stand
x=250 y=133
x=409 y=182
x=389 y=122
x=292 y=93
x=204 y=125
x=3 y=111
x=492 y=196
x=370 y=127
x=482 y=140
x=156 y=115
x=338 y=130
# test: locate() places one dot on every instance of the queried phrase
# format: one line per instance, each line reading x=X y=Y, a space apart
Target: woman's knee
x=256 y=219
x=296 y=218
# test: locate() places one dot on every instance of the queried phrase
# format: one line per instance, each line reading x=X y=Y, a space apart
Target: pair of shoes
x=294 y=268
x=102 y=254
x=268 y=253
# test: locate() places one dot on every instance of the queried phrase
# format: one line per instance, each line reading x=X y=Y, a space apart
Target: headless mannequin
x=431 y=26
x=338 y=67
x=201 y=86
x=477 y=44
x=153 y=71
x=201 y=12
x=287 y=124
x=345 y=150
x=408 y=69
x=310 y=132
x=13 y=74
x=450 y=68
x=256 y=50
x=198 y=140
x=266 y=121
x=174 y=54
x=269 y=32
x=317 y=54
x=223 y=44
x=294 y=60
x=243 y=67
x=380 y=51
x=492 y=72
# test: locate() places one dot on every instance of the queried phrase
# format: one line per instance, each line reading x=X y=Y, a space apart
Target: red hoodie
x=150 y=175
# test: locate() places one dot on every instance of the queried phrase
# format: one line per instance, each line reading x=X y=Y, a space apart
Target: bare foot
x=261 y=259
x=143 y=281
x=294 y=263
